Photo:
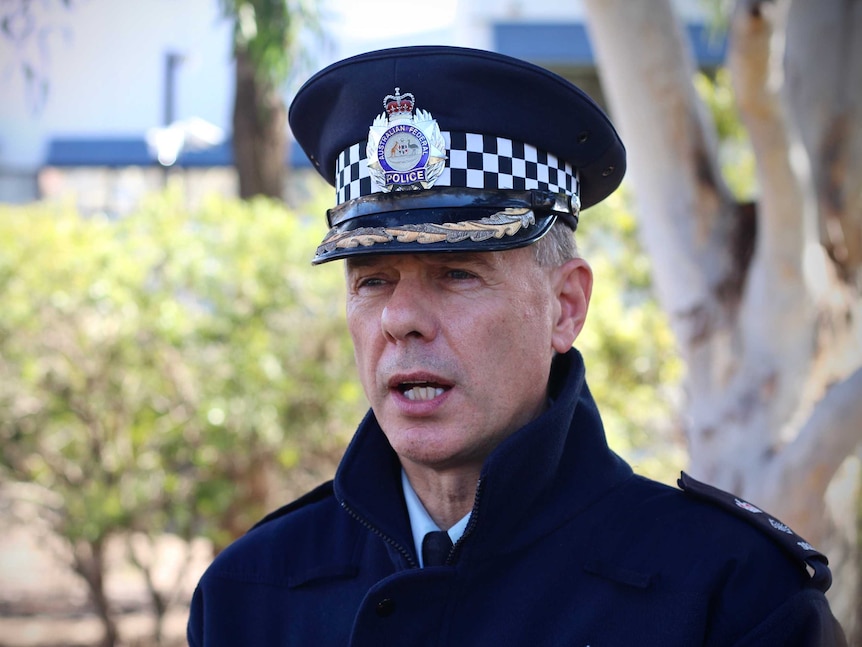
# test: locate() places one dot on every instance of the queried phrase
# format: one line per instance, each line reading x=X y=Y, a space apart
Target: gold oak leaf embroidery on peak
x=503 y=223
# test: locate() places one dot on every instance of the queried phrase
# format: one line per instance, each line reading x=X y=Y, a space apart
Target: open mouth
x=421 y=391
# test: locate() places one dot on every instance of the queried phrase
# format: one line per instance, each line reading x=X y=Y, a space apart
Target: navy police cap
x=437 y=148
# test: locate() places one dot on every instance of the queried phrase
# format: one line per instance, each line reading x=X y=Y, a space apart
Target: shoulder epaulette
x=821 y=576
x=317 y=494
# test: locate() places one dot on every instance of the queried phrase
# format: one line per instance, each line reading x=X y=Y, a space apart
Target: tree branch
x=805 y=467
x=786 y=207
x=687 y=215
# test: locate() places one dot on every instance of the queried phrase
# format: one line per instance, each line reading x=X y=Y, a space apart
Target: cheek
x=532 y=350
x=361 y=319
x=355 y=329
x=360 y=327
x=517 y=337
x=533 y=317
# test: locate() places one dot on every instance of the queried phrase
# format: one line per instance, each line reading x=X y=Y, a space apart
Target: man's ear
x=574 y=286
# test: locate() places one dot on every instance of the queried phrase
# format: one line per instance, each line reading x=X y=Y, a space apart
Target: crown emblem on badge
x=399 y=104
x=406 y=150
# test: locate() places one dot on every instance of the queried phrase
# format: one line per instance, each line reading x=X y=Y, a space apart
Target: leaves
x=149 y=366
x=736 y=155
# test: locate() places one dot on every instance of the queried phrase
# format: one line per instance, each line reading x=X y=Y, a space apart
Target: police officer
x=479 y=503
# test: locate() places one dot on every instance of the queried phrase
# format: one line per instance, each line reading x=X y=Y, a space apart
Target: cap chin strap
x=505 y=201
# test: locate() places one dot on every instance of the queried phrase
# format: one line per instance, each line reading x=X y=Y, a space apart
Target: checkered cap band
x=473 y=161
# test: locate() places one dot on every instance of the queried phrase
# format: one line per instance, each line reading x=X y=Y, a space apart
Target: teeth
x=423 y=393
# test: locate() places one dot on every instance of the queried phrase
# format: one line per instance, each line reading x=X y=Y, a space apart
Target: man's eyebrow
x=360 y=261
x=443 y=258
x=482 y=259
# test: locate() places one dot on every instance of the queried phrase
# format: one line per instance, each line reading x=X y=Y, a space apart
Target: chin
x=423 y=449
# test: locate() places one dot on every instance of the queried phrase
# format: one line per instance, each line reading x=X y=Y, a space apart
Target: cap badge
x=405 y=151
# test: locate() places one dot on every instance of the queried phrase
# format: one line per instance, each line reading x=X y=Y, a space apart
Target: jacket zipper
x=453 y=552
x=401 y=550
x=474 y=519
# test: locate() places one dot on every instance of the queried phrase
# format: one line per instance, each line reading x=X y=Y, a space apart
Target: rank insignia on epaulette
x=745 y=505
x=778 y=531
x=405 y=150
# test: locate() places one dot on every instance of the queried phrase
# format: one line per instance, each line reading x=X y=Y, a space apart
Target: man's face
x=454 y=350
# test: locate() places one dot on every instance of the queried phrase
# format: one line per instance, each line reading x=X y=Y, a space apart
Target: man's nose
x=410 y=312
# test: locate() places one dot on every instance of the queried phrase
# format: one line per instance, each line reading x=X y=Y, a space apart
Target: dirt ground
x=42 y=604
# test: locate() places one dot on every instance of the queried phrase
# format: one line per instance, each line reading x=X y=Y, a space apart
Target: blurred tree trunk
x=269 y=43
x=259 y=132
x=764 y=299
x=89 y=563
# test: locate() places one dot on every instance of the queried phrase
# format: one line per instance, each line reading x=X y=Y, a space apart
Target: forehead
x=498 y=260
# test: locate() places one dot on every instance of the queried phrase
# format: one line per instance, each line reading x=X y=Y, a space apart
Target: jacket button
x=385 y=607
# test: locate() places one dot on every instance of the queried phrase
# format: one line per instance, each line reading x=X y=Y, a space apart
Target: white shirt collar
x=421 y=522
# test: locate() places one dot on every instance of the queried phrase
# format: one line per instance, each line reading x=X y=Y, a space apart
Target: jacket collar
x=537 y=479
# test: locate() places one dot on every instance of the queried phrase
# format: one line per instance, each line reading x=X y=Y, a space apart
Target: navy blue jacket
x=565 y=546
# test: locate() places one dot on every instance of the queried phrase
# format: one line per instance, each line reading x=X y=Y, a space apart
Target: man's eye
x=460 y=275
x=370 y=282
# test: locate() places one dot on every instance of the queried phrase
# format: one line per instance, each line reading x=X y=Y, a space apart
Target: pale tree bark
x=764 y=301
x=790 y=206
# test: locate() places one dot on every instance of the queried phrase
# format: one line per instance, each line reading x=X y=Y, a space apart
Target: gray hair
x=556 y=247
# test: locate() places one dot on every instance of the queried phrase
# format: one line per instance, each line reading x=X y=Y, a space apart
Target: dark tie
x=435 y=548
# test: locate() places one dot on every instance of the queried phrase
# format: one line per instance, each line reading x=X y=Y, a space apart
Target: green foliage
x=718 y=14
x=270 y=32
x=632 y=365
x=153 y=368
